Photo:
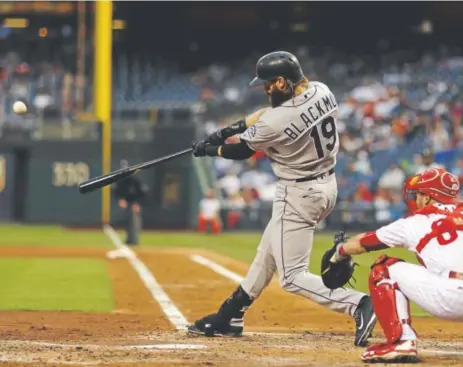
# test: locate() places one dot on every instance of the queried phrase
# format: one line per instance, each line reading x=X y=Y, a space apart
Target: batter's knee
x=287 y=282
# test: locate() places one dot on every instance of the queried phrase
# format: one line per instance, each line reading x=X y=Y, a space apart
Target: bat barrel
x=101 y=181
x=105 y=180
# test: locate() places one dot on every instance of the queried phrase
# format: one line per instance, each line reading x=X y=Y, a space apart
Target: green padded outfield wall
x=171 y=183
x=56 y=167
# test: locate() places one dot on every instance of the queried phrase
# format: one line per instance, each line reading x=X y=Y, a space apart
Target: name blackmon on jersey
x=329 y=103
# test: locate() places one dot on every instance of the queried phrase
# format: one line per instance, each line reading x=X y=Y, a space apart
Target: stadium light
x=119 y=24
x=426 y=27
x=43 y=32
x=16 y=23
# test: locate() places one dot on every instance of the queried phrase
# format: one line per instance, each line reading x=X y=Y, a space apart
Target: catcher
x=434 y=232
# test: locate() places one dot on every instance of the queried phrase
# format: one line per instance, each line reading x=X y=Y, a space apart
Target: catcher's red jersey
x=434 y=233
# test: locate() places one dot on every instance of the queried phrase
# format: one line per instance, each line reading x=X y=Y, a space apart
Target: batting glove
x=199 y=148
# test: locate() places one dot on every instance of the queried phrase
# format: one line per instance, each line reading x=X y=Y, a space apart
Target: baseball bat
x=108 y=179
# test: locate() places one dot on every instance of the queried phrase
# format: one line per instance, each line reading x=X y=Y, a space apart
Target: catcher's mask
x=437 y=183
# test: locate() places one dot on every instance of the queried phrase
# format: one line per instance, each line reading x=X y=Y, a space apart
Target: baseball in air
x=19 y=108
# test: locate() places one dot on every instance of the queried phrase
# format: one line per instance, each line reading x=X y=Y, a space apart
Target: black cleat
x=365 y=321
x=211 y=326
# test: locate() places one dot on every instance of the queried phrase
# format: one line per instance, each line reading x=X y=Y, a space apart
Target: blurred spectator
x=19 y=83
x=360 y=208
x=209 y=213
x=222 y=166
x=42 y=100
x=350 y=144
x=382 y=206
x=397 y=207
x=362 y=164
x=440 y=138
x=392 y=179
x=412 y=168
x=230 y=183
x=253 y=204
x=364 y=193
x=67 y=96
x=235 y=204
x=427 y=158
x=256 y=178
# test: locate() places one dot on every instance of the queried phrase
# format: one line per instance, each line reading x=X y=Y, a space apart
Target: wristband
x=236 y=128
x=341 y=251
x=239 y=126
x=212 y=150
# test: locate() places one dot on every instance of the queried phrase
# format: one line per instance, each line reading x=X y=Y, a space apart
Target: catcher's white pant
x=441 y=297
x=287 y=243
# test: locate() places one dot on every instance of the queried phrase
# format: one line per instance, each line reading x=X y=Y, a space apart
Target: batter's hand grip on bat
x=108 y=179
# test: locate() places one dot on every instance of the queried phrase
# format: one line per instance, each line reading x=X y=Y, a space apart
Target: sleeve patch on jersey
x=252 y=131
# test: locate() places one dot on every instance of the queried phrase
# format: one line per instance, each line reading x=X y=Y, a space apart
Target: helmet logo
x=449 y=181
x=414 y=180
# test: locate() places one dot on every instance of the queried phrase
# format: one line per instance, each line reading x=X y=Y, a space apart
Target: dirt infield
x=282 y=329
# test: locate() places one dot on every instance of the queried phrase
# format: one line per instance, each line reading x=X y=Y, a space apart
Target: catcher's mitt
x=336 y=275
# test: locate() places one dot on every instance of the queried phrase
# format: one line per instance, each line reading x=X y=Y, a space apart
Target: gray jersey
x=300 y=136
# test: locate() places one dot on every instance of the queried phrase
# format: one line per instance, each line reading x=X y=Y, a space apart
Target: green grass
x=243 y=247
x=55 y=285
x=52 y=236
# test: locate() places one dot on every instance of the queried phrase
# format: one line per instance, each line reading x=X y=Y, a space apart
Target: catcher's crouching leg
x=392 y=310
x=228 y=321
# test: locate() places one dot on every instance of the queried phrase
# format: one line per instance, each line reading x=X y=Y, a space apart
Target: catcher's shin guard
x=391 y=307
x=228 y=321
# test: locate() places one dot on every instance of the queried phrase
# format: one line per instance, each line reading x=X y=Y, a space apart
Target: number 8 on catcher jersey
x=299 y=136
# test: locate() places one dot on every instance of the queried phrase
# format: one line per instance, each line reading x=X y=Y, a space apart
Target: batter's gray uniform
x=301 y=141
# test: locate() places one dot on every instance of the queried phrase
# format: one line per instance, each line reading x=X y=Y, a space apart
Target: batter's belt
x=313 y=178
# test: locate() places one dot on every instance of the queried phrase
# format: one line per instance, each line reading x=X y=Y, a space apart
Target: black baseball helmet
x=278 y=64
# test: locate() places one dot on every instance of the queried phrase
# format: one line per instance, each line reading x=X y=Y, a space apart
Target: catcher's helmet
x=438 y=183
x=278 y=64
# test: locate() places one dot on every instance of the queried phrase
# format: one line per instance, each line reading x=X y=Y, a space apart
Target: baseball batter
x=298 y=133
x=434 y=232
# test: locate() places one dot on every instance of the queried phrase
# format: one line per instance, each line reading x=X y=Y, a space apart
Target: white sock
x=402 y=310
x=407 y=333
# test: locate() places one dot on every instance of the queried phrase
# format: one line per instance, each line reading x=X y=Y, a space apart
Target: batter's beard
x=277 y=97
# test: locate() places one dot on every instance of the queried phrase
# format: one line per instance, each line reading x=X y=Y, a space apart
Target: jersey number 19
x=327 y=138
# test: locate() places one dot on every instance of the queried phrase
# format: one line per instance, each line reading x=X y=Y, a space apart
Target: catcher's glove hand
x=337 y=270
